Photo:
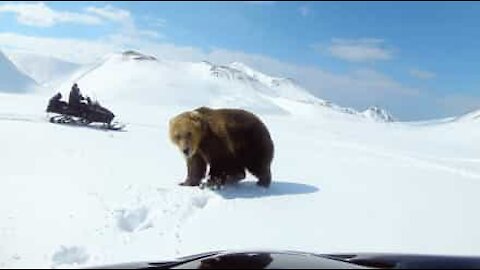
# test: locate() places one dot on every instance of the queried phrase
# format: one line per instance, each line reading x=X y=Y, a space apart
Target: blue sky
x=417 y=59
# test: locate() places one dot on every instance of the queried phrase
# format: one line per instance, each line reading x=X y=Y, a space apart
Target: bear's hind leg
x=235 y=176
x=265 y=179
x=226 y=172
x=263 y=175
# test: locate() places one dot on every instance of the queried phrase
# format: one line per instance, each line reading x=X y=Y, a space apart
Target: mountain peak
x=262 y=77
x=378 y=114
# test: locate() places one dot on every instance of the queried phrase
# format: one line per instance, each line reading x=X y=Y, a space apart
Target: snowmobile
x=82 y=114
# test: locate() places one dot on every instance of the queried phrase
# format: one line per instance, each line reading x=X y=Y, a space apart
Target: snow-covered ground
x=73 y=196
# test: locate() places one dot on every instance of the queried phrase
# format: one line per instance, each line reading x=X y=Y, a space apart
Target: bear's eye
x=188 y=135
x=177 y=137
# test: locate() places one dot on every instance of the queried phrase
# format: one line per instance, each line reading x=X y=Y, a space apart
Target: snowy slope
x=80 y=196
x=11 y=79
x=45 y=70
x=280 y=86
x=472 y=116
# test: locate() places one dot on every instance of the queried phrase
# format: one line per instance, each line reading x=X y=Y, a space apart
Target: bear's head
x=186 y=131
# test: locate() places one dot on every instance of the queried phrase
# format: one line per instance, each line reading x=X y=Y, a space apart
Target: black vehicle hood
x=301 y=260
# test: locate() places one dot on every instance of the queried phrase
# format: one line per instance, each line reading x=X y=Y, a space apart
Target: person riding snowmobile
x=75 y=99
x=56 y=102
x=56 y=98
x=84 y=108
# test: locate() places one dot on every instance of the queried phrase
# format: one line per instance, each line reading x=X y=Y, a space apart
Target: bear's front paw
x=188 y=183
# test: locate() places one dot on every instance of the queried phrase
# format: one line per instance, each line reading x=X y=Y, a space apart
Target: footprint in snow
x=131 y=220
x=200 y=201
x=70 y=256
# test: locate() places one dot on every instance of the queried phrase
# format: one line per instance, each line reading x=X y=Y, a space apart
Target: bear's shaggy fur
x=228 y=140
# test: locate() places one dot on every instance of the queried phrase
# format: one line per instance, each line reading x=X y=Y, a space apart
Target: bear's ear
x=197 y=118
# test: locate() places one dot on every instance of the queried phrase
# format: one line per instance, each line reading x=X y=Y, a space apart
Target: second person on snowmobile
x=75 y=100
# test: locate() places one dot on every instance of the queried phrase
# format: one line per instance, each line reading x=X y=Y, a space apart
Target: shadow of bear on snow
x=277 y=188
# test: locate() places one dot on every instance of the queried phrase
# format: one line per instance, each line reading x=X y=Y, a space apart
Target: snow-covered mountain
x=45 y=70
x=272 y=86
x=12 y=80
x=137 y=77
x=142 y=79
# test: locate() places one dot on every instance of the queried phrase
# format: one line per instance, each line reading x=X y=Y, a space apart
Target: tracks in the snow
x=416 y=160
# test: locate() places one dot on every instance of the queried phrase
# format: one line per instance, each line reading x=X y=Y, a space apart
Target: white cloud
x=357 y=50
x=150 y=34
x=40 y=15
x=422 y=74
x=74 y=50
x=304 y=11
x=87 y=51
x=111 y=13
x=129 y=29
x=156 y=22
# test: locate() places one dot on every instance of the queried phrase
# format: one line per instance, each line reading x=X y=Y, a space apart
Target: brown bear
x=228 y=140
